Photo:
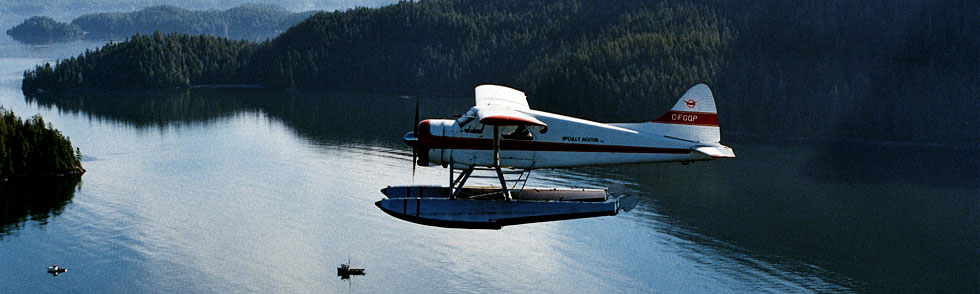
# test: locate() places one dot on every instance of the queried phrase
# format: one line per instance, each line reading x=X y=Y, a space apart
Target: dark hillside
x=556 y=50
x=145 y=62
x=897 y=70
x=901 y=70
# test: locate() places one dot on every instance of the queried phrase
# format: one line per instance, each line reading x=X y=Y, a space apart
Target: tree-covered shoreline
x=146 y=62
x=896 y=70
x=32 y=148
x=44 y=30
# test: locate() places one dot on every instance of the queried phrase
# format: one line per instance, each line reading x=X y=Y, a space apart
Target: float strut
x=496 y=161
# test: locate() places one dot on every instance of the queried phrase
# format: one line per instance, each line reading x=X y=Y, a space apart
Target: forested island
x=33 y=148
x=248 y=22
x=60 y=8
x=896 y=70
x=43 y=30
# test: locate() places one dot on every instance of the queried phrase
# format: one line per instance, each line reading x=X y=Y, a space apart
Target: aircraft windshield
x=466 y=118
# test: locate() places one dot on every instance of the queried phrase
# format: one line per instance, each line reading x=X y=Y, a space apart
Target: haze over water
x=252 y=191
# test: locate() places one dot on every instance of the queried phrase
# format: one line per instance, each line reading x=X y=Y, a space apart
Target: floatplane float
x=502 y=132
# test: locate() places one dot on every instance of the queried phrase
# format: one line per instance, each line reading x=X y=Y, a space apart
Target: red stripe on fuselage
x=429 y=141
x=689 y=118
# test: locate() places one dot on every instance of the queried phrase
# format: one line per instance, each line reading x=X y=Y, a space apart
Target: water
x=248 y=191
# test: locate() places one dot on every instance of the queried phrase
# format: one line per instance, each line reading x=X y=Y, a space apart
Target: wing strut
x=456 y=185
x=496 y=161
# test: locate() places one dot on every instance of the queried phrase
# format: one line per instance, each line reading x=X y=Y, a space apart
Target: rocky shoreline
x=78 y=172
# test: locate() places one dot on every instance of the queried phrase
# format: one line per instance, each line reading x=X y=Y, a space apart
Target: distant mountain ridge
x=44 y=30
x=68 y=9
x=248 y=21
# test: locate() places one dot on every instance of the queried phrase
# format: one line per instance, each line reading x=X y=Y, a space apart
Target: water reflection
x=328 y=118
x=865 y=228
x=35 y=200
x=953 y=166
x=827 y=218
x=144 y=109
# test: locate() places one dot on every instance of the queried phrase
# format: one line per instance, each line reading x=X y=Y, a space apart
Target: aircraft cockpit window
x=520 y=133
x=466 y=117
x=463 y=120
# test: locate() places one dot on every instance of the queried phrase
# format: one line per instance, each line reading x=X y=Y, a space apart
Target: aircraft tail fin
x=693 y=118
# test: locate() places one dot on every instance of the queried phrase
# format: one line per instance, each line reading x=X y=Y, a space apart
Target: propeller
x=415 y=131
x=411 y=138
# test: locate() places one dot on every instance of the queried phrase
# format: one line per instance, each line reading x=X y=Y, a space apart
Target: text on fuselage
x=580 y=139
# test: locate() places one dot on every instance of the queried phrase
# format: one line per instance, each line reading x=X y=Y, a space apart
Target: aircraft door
x=516 y=143
x=472 y=145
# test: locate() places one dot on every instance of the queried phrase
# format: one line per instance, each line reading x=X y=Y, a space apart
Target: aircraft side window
x=463 y=121
x=520 y=133
x=467 y=127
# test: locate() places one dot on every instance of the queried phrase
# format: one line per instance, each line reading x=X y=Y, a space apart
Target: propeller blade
x=415 y=130
x=415 y=126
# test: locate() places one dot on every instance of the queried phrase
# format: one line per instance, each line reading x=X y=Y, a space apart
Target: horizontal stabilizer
x=719 y=151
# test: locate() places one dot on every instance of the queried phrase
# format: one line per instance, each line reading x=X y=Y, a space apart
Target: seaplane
x=502 y=132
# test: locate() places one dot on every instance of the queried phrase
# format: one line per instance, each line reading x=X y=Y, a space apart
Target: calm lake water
x=250 y=191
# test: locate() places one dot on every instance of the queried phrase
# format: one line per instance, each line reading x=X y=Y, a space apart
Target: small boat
x=345 y=270
x=55 y=269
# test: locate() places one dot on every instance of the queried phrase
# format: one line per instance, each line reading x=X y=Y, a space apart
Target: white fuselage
x=565 y=142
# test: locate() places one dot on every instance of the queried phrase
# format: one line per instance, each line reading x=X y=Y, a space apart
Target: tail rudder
x=693 y=118
x=696 y=99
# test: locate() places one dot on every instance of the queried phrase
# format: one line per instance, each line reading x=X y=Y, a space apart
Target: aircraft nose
x=410 y=139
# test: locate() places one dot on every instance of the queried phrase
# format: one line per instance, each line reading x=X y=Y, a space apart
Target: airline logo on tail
x=695 y=108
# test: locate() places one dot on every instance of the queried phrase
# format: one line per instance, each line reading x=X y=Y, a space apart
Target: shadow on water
x=783 y=203
x=328 y=118
x=36 y=199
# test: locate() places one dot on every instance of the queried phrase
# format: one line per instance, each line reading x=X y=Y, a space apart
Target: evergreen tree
x=33 y=147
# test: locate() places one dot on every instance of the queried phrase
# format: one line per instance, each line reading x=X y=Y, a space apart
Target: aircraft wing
x=499 y=116
x=503 y=106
